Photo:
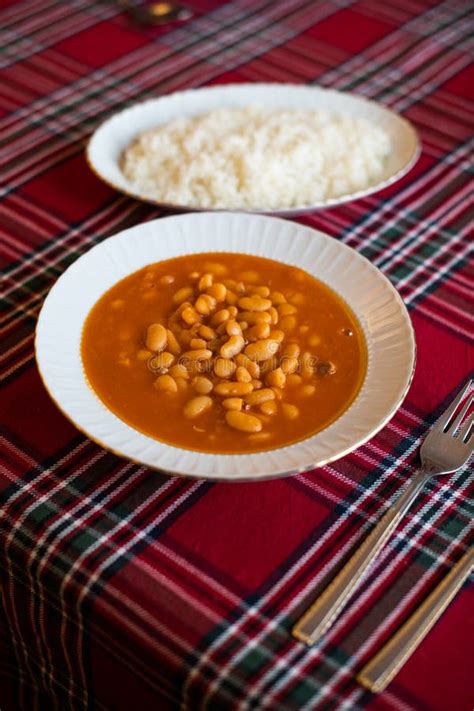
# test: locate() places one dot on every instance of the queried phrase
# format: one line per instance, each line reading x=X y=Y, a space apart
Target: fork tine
x=444 y=419
x=461 y=416
x=465 y=430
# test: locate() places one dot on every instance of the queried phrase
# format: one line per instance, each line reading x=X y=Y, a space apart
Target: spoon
x=157 y=13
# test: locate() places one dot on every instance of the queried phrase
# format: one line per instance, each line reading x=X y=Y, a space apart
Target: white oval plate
x=379 y=308
x=114 y=135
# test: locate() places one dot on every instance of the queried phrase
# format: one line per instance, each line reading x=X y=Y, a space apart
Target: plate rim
x=281 y=212
x=358 y=442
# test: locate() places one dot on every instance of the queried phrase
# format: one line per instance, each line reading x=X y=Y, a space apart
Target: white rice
x=255 y=158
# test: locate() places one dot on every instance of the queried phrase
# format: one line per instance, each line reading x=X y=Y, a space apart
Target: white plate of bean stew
x=225 y=346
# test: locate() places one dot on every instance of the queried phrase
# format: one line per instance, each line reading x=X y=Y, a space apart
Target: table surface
x=122 y=587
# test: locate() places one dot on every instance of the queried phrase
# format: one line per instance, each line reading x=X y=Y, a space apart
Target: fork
x=442 y=452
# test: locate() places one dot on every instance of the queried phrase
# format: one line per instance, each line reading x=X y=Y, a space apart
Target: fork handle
x=324 y=611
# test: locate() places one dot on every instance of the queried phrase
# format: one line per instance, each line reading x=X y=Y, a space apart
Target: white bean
x=190 y=316
x=173 y=345
x=269 y=407
x=197 y=406
x=243 y=422
x=291 y=412
x=233 y=389
x=183 y=294
x=242 y=375
x=224 y=367
x=179 y=371
x=233 y=328
x=287 y=309
x=200 y=354
x=232 y=347
x=261 y=350
x=220 y=316
x=233 y=403
x=259 y=396
x=166 y=383
x=162 y=361
x=218 y=291
x=205 y=282
x=202 y=385
x=276 y=378
x=156 y=337
x=254 y=303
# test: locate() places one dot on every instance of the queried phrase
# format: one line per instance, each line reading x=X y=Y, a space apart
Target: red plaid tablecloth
x=122 y=588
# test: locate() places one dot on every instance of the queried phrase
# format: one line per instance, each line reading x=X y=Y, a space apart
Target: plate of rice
x=270 y=148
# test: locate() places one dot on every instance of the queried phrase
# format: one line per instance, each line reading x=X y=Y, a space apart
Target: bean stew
x=224 y=353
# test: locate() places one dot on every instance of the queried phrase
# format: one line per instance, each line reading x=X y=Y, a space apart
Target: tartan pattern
x=122 y=586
